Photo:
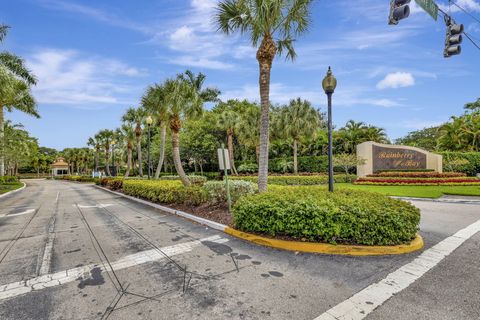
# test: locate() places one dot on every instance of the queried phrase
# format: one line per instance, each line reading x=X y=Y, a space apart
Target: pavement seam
x=367 y=300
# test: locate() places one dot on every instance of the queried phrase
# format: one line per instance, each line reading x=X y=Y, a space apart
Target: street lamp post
x=329 y=84
x=149 y=122
x=114 y=173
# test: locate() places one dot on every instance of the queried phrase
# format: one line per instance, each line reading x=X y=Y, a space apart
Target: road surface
x=58 y=239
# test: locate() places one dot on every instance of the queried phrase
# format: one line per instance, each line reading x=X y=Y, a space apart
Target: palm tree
x=373 y=133
x=128 y=133
x=299 y=119
x=183 y=102
x=94 y=142
x=154 y=102
x=248 y=128
x=106 y=137
x=14 y=94
x=137 y=116
x=227 y=120
x=197 y=81
x=272 y=26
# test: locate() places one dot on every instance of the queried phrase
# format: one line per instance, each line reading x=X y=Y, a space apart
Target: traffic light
x=399 y=9
x=453 y=38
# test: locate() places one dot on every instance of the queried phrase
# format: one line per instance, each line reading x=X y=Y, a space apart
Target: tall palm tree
x=94 y=142
x=106 y=137
x=154 y=102
x=137 y=116
x=15 y=82
x=128 y=133
x=183 y=102
x=196 y=81
x=272 y=26
x=227 y=120
x=299 y=119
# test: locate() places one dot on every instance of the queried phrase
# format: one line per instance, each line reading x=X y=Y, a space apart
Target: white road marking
x=58 y=278
x=47 y=252
x=58 y=194
x=17 y=214
x=364 y=302
x=100 y=205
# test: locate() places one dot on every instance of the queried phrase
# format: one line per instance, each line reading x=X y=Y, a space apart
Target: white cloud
x=67 y=77
x=468 y=5
x=200 y=63
x=397 y=80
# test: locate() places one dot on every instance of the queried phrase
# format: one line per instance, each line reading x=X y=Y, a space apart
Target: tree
x=154 y=102
x=297 y=120
x=425 y=138
x=183 y=102
x=15 y=82
x=227 y=121
x=347 y=161
x=272 y=26
x=128 y=133
x=196 y=81
x=95 y=143
x=137 y=117
x=248 y=128
x=106 y=137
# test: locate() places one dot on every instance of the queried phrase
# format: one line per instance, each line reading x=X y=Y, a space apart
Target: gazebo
x=60 y=167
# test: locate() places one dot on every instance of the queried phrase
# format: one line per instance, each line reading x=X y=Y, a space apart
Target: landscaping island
x=9 y=183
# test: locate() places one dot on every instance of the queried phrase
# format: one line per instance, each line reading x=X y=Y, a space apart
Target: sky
x=94 y=59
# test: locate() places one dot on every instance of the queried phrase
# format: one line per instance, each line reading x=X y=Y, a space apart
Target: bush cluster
x=471 y=167
x=199 y=180
x=345 y=216
x=299 y=180
x=8 y=179
x=78 y=178
x=248 y=168
x=217 y=191
x=465 y=181
x=166 y=191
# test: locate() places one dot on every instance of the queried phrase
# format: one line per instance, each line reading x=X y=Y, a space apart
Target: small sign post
x=224 y=164
x=430 y=7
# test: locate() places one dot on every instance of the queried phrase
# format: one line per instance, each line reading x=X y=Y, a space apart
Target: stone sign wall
x=379 y=157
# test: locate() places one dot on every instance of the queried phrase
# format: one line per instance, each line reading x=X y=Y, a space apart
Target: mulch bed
x=218 y=213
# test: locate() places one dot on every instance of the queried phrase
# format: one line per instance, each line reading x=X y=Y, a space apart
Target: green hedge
x=165 y=191
x=473 y=158
x=299 y=180
x=8 y=179
x=345 y=216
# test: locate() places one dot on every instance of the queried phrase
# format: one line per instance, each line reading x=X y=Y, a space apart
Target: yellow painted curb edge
x=350 y=250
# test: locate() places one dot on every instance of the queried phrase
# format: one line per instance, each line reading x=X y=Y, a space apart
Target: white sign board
x=221 y=157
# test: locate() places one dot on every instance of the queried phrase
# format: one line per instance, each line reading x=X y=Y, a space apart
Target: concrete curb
x=14 y=191
x=462 y=201
x=325 y=248
x=209 y=223
x=311 y=247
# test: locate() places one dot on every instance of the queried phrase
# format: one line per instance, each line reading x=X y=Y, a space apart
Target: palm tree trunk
x=129 y=161
x=230 y=151
x=107 y=167
x=176 y=158
x=265 y=54
x=295 y=160
x=163 y=134
x=139 y=154
x=2 y=144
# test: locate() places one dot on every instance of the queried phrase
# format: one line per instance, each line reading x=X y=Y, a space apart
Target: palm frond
x=16 y=65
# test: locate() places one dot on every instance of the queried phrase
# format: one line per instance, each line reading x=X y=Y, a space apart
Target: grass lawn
x=416 y=191
x=4 y=188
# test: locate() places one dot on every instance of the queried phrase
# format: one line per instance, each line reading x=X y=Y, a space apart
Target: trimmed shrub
x=346 y=216
x=419 y=174
x=456 y=181
x=198 y=180
x=166 y=191
x=8 y=179
x=115 y=183
x=217 y=191
x=292 y=180
x=248 y=168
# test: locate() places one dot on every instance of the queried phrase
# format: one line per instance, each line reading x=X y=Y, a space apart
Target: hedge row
x=293 y=180
x=305 y=164
x=420 y=174
x=393 y=181
x=78 y=178
x=345 y=216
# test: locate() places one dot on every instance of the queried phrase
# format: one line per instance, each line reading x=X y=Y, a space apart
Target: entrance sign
x=379 y=157
x=430 y=7
x=221 y=157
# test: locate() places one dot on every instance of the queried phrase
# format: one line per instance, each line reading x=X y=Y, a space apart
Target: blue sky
x=95 y=58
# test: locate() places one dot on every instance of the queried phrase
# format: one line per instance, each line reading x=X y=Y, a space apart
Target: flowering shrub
x=217 y=192
x=347 y=216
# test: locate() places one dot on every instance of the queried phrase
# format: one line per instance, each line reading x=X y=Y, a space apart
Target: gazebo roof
x=60 y=162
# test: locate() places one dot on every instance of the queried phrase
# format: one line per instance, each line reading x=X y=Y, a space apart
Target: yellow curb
x=349 y=250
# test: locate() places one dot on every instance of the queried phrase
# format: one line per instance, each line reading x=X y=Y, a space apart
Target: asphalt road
x=57 y=239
